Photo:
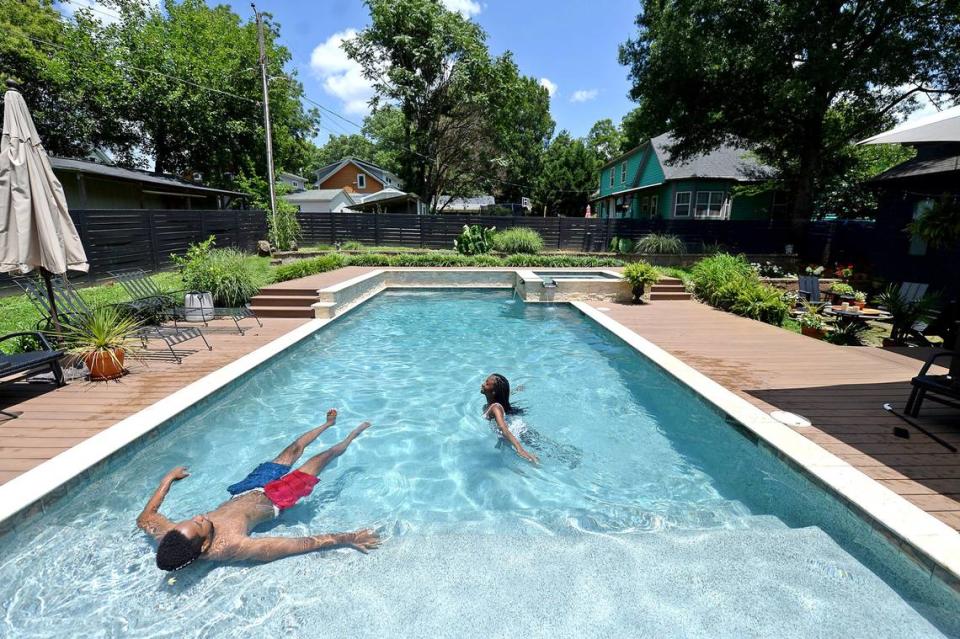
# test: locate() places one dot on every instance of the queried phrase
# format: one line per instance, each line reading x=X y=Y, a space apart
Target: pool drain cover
x=790 y=419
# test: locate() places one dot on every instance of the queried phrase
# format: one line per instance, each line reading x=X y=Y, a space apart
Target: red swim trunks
x=285 y=492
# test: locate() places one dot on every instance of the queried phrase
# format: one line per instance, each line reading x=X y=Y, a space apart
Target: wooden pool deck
x=840 y=389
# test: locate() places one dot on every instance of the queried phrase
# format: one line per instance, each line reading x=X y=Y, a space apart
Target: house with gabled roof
x=644 y=183
x=356 y=176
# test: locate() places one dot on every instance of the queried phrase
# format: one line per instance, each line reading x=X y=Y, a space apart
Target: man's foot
x=331 y=417
x=356 y=431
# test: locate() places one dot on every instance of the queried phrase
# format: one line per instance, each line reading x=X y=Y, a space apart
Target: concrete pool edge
x=920 y=535
x=53 y=476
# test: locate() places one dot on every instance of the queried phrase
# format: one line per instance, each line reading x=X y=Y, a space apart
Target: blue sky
x=569 y=45
x=573 y=45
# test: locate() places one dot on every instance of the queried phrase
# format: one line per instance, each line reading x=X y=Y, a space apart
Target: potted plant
x=100 y=340
x=640 y=274
x=841 y=291
x=195 y=269
x=860 y=299
x=811 y=322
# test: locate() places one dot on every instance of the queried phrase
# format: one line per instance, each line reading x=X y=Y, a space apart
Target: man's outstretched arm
x=150 y=520
x=272 y=548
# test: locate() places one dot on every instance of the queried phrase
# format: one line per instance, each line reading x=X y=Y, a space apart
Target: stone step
x=669 y=296
x=325 y=310
x=283 y=311
x=283 y=300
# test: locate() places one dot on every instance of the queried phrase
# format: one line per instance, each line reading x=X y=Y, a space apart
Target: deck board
x=841 y=390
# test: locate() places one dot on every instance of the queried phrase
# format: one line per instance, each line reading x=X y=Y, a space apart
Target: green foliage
x=351 y=246
x=283 y=229
x=796 y=82
x=474 y=240
x=641 y=273
x=847 y=334
x=103 y=330
x=842 y=289
x=660 y=244
x=605 y=140
x=811 y=317
x=625 y=245
x=906 y=313
x=338 y=147
x=730 y=283
x=225 y=273
x=311 y=266
x=939 y=224
x=518 y=240
x=860 y=296
x=568 y=177
x=559 y=261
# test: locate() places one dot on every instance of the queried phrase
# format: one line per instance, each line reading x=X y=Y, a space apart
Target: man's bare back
x=223 y=534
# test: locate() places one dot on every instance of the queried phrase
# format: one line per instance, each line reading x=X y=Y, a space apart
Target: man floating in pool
x=223 y=534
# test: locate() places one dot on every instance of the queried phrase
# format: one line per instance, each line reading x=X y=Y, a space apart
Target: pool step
x=283 y=311
x=669 y=288
x=272 y=299
x=282 y=301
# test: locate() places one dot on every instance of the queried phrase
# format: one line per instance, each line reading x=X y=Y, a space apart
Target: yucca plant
x=906 y=313
x=101 y=339
x=847 y=334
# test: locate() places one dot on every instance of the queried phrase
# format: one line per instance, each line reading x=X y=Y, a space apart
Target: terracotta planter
x=104 y=366
x=816 y=333
x=859 y=304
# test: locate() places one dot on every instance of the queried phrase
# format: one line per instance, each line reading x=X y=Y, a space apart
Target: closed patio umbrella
x=36 y=231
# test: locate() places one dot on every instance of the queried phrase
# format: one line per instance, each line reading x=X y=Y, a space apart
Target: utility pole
x=266 y=116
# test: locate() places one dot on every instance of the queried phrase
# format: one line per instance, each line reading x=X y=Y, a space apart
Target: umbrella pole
x=53 y=302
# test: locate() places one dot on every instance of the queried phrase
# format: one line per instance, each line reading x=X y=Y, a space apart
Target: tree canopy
x=568 y=177
x=795 y=81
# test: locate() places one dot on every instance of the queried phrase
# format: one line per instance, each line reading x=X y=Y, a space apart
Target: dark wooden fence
x=559 y=233
x=122 y=239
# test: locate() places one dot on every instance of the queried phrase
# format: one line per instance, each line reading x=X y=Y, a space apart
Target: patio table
x=854 y=314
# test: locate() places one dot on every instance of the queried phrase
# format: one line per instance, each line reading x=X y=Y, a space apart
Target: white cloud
x=583 y=95
x=105 y=14
x=342 y=77
x=466 y=8
x=551 y=87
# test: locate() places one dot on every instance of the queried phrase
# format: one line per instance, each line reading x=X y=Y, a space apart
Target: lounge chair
x=70 y=305
x=147 y=298
x=16 y=366
x=808 y=288
x=943 y=389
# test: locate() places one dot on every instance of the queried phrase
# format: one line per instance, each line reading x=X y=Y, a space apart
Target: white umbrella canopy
x=939 y=127
x=36 y=231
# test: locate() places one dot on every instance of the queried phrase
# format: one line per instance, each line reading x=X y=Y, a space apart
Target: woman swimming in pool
x=496 y=389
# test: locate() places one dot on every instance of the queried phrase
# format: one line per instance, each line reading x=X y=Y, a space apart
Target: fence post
x=376 y=228
x=152 y=234
x=333 y=232
x=420 y=228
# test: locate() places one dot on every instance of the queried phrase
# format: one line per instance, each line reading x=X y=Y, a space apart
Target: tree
x=605 y=140
x=568 y=178
x=796 y=81
x=338 y=147
x=637 y=127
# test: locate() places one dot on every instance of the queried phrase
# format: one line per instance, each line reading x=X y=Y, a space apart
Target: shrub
x=312 y=266
x=842 y=289
x=641 y=274
x=847 y=334
x=660 y=244
x=625 y=245
x=518 y=240
x=474 y=240
x=226 y=273
x=352 y=245
x=730 y=283
x=559 y=261
x=768 y=269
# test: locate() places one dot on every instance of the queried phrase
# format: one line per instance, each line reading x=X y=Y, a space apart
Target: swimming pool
x=650 y=516
x=576 y=275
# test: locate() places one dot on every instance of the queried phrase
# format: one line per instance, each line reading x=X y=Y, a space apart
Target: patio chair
x=943 y=389
x=71 y=306
x=148 y=298
x=809 y=288
x=16 y=366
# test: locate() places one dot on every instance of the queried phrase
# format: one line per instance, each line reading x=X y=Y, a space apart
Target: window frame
x=623 y=172
x=708 y=213
x=361 y=181
x=688 y=204
x=613 y=171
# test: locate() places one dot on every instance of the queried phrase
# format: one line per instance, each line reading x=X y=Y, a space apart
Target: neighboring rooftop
x=133 y=175
x=726 y=161
x=939 y=127
x=314 y=195
x=932 y=159
x=450 y=204
x=384 y=176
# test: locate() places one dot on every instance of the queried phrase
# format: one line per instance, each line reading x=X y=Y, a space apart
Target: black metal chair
x=71 y=306
x=808 y=288
x=943 y=389
x=16 y=366
x=147 y=298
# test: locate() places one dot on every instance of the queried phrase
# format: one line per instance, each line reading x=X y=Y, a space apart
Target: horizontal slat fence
x=122 y=239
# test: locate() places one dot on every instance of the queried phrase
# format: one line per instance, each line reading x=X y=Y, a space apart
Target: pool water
x=649 y=515
x=573 y=275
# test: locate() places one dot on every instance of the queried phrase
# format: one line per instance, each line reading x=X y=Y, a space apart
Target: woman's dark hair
x=501 y=394
x=176 y=551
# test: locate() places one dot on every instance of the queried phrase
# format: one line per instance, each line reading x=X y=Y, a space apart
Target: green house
x=642 y=183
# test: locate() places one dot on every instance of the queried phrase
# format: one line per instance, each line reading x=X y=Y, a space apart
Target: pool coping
x=919 y=534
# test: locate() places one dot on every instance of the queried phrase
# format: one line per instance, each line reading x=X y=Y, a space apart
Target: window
x=648 y=205
x=611 y=175
x=623 y=173
x=681 y=207
x=917 y=245
x=361 y=181
x=709 y=205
